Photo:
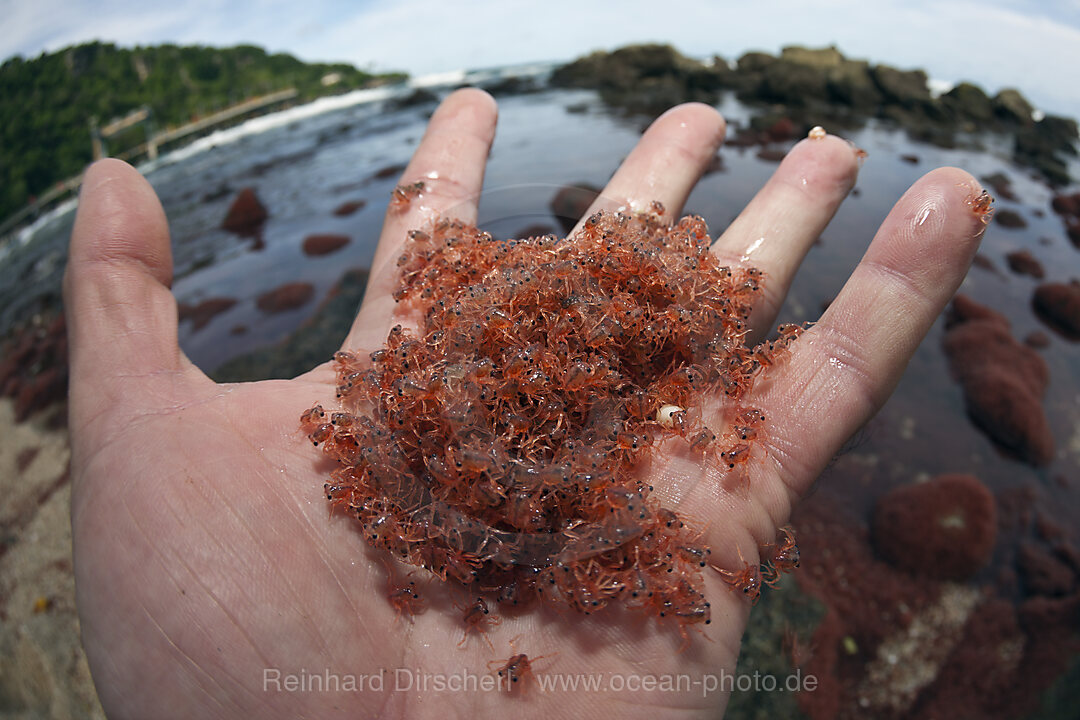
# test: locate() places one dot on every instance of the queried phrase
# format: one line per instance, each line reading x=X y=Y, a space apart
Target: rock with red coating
x=287 y=297
x=1072 y=229
x=1037 y=339
x=324 y=244
x=1003 y=380
x=1023 y=262
x=1010 y=219
x=1043 y=573
x=1058 y=305
x=1066 y=204
x=943 y=529
x=246 y=215
x=34 y=366
x=349 y=207
x=200 y=315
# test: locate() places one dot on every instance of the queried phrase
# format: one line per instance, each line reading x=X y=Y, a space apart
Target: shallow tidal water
x=303 y=169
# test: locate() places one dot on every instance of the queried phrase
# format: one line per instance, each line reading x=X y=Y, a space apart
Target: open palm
x=209 y=570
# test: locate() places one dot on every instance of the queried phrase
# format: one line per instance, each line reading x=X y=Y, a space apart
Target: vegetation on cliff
x=48 y=101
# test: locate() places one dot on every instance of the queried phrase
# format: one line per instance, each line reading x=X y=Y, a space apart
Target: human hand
x=204 y=555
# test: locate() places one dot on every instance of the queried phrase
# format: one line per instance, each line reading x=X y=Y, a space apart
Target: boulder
x=942 y=529
x=906 y=88
x=1023 y=262
x=1012 y=107
x=1058 y=305
x=969 y=102
x=286 y=297
x=1009 y=218
x=324 y=244
x=201 y=314
x=1067 y=205
x=246 y=215
x=349 y=207
x=1003 y=380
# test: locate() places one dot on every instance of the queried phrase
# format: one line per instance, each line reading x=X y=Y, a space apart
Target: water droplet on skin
x=923 y=215
x=752 y=249
x=433 y=175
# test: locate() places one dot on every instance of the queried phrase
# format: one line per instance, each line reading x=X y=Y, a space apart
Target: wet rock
x=201 y=314
x=34 y=366
x=1068 y=205
x=348 y=208
x=1009 y=218
x=419 y=96
x=943 y=529
x=1072 y=230
x=645 y=78
x=771 y=155
x=1044 y=145
x=515 y=85
x=792 y=83
x=968 y=101
x=1003 y=380
x=1042 y=572
x=1058 y=305
x=906 y=88
x=1037 y=339
x=390 y=171
x=1012 y=107
x=1000 y=185
x=571 y=202
x=1002 y=405
x=1022 y=262
x=246 y=215
x=287 y=297
x=910 y=159
x=324 y=244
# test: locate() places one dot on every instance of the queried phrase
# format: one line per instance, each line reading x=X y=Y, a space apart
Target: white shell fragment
x=816 y=133
x=666 y=414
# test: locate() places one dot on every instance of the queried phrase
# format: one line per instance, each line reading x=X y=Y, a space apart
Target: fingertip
x=471 y=105
x=120 y=221
x=699 y=119
x=828 y=161
x=944 y=203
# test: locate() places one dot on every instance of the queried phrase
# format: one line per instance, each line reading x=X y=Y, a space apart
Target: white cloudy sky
x=996 y=43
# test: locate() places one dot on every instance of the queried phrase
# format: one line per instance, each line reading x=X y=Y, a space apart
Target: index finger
x=450 y=163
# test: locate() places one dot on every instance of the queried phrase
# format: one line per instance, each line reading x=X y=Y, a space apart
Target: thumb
x=122 y=323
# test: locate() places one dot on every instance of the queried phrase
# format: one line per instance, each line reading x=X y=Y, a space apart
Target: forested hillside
x=46 y=103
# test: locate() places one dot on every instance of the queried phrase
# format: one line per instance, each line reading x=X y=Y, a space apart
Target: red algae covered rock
x=246 y=215
x=286 y=297
x=200 y=315
x=324 y=244
x=1066 y=204
x=1010 y=219
x=34 y=366
x=497 y=445
x=1043 y=572
x=942 y=529
x=1003 y=380
x=1023 y=262
x=349 y=207
x=1058 y=305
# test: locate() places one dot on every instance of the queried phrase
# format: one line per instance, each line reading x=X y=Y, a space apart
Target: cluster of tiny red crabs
x=498 y=445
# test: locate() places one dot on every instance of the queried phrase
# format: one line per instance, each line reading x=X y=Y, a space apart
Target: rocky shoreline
x=815 y=86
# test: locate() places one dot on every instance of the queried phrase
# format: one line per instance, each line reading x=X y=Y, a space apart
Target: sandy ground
x=43 y=671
